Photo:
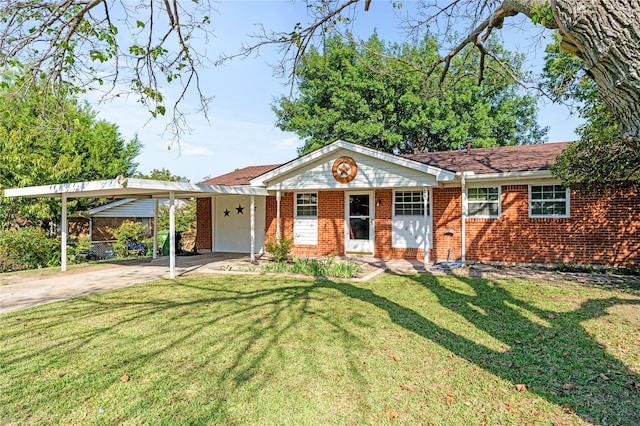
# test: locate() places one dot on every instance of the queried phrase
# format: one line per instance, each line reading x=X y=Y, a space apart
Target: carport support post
x=63 y=239
x=172 y=235
x=155 y=228
x=253 y=228
x=278 y=198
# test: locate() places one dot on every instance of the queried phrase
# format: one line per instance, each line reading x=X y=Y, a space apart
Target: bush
x=130 y=238
x=28 y=248
x=281 y=250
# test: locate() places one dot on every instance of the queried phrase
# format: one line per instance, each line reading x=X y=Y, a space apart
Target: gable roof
x=241 y=176
x=506 y=159
x=440 y=174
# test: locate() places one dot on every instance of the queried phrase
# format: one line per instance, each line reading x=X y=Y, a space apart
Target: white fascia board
x=440 y=174
x=532 y=174
x=233 y=190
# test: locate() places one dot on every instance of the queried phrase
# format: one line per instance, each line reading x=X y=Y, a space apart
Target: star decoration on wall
x=226 y=212
x=240 y=209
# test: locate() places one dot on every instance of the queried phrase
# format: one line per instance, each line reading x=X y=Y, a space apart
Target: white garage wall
x=233 y=233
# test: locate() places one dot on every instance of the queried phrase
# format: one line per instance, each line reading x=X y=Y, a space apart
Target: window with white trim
x=483 y=202
x=307 y=205
x=548 y=201
x=409 y=203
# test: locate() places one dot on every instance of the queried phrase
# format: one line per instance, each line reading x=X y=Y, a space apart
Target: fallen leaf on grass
x=395 y=358
x=125 y=377
x=406 y=387
x=390 y=414
x=568 y=387
x=449 y=399
x=603 y=377
x=520 y=387
x=635 y=386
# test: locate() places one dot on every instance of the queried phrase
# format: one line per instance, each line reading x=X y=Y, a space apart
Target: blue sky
x=241 y=131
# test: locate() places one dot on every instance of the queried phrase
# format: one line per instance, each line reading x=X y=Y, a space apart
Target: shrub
x=130 y=238
x=281 y=250
x=28 y=248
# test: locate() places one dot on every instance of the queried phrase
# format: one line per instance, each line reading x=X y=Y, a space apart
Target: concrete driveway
x=19 y=291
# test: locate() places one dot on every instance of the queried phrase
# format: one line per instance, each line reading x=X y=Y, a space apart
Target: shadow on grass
x=234 y=332
x=560 y=362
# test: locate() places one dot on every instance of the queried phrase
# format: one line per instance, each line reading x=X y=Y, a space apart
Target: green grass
x=261 y=350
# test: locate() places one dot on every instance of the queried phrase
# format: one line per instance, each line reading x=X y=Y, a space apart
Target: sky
x=241 y=128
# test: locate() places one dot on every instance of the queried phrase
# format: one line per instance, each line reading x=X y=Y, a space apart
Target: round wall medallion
x=344 y=169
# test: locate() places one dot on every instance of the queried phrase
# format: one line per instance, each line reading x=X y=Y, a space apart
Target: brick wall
x=383 y=228
x=447 y=224
x=203 y=217
x=330 y=223
x=78 y=227
x=601 y=229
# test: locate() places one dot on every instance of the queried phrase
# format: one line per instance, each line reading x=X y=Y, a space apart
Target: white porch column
x=253 y=228
x=172 y=236
x=155 y=228
x=63 y=239
x=465 y=212
x=427 y=227
x=278 y=197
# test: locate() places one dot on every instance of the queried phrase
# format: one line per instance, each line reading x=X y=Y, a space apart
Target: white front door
x=359 y=215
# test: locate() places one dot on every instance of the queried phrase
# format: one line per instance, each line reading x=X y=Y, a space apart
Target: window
x=483 y=202
x=307 y=205
x=548 y=201
x=409 y=203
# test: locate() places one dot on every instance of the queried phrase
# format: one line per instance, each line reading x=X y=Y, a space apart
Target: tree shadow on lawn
x=548 y=351
x=552 y=354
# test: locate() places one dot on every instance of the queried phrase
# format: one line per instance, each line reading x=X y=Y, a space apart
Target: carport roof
x=129 y=188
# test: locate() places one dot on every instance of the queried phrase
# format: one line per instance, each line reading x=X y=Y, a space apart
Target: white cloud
x=190 y=150
x=287 y=143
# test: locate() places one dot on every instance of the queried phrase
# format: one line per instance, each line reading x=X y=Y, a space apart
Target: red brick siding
x=601 y=229
x=330 y=223
x=383 y=229
x=203 y=215
x=447 y=217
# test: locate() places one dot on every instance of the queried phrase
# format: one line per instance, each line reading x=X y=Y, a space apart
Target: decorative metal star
x=240 y=209
x=226 y=212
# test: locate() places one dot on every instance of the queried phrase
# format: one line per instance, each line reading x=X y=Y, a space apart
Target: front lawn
x=234 y=349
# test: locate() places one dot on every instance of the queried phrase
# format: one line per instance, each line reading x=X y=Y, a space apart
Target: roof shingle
x=504 y=159
x=241 y=176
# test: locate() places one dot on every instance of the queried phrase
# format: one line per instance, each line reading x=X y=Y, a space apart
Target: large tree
x=35 y=152
x=377 y=95
x=604 y=34
x=600 y=159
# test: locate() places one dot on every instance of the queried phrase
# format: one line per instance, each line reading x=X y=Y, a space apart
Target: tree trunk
x=606 y=35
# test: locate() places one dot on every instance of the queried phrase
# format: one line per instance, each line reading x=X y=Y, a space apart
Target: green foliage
x=380 y=96
x=600 y=159
x=35 y=151
x=160 y=174
x=315 y=267
x=130 y=238
x=186 y=216
x=27 y=248
x=77 y=250
x=542 y=14
x=281 y=250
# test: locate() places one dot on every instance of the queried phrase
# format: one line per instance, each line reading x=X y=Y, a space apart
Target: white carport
x=136 y=188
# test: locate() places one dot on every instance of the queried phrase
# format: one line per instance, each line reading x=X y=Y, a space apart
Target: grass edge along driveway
x=270 y=350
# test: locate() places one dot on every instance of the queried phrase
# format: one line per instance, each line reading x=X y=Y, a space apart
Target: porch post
x=155 y=228
x=253 y=228
x=63 y=235
x=172 y=235
x=427 y=226
x=278 y=197
x=463 y=225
